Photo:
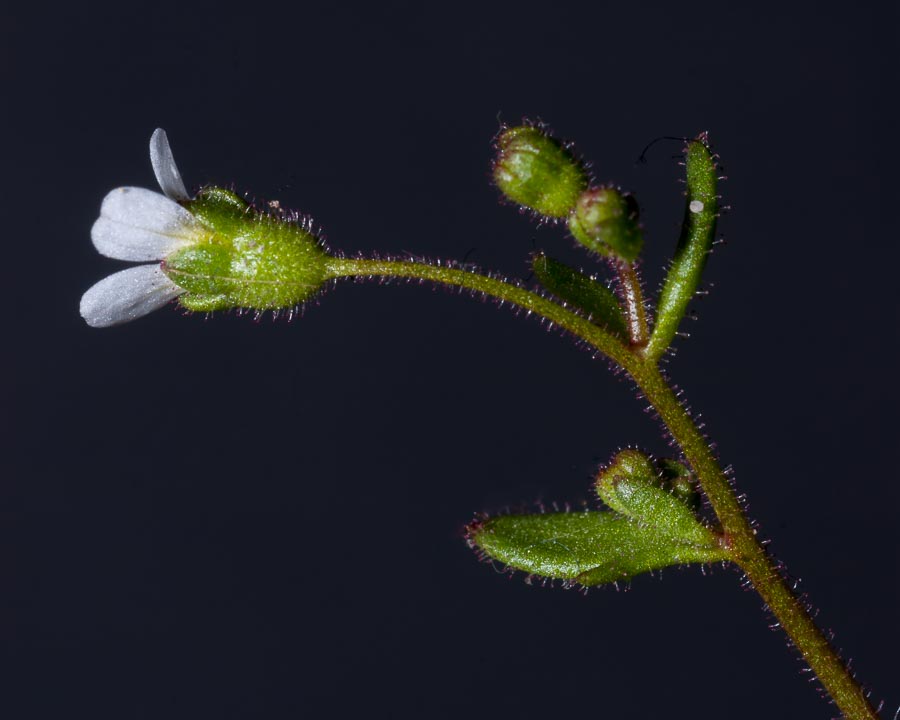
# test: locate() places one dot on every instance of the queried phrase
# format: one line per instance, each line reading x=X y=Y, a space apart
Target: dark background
x=218 y=518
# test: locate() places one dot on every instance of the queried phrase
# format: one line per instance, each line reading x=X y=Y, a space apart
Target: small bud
x=606 y=222
x=680 y=480
x=534 y=170
x=632 y=487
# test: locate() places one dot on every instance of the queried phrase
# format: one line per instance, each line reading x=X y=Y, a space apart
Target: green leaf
x=589 y=548
x=632 y=486
x=697 y=233
x=581 y=291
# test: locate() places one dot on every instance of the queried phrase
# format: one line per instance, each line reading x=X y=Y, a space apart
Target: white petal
x=141 y=225
x=164 y=166
x=127 y=295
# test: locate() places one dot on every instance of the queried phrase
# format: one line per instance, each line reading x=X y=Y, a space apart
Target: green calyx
x=536 y=171
x=249 y=259
x=588 y=548
x=606 y=222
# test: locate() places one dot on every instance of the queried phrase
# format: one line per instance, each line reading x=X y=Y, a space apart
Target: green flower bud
x=680 y=480
x=537 y=172
x=606 y=222
x=632 y=487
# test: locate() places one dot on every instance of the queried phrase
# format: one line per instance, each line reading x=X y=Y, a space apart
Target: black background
x=218 y=518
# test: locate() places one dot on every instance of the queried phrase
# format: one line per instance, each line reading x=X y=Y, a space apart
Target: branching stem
x=746 y=551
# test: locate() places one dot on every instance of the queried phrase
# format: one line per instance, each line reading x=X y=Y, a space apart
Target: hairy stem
x=747 y=552
x=633 y=300
x=745 y=549
x=496 y=288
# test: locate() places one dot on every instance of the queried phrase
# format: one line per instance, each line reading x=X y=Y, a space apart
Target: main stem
x=746 y=551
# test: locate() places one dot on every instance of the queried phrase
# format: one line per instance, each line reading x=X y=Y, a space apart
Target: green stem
x=746 y=550
x=749 y=554
x=501 y=290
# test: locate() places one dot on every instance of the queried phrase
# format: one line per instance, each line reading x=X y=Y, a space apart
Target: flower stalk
x=633 y=301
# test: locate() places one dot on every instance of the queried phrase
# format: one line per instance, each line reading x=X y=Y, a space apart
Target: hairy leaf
x=582 y=292
x=632 y=486
x=590 y=548
x=697 y=232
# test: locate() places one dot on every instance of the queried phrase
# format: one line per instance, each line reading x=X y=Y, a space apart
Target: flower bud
x=536 y=171
x=606 y=222
x=680 y=481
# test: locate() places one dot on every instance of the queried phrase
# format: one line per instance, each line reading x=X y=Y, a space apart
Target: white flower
x=141 y=226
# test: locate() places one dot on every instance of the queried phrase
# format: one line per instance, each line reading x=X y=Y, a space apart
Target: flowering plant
x=215 y=251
